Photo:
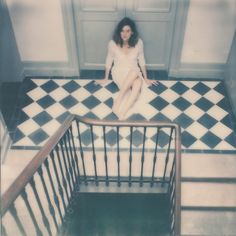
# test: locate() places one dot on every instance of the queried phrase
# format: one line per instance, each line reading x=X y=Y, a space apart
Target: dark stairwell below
x=109 y=214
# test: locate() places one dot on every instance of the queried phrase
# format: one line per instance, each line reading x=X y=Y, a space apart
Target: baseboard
x=50 y=72
x=199 y=70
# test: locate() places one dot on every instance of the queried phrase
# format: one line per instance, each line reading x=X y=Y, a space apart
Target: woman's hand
x=151 y=82
x=101 y=81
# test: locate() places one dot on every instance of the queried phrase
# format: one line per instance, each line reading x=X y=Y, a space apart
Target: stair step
x=208 y=223
x=208 y=194
x=8 y=175
x=208 y=165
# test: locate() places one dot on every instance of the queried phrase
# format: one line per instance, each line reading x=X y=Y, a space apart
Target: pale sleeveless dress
x=124 y=63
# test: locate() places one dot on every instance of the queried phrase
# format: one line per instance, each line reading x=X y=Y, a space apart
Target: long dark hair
x=134 y=37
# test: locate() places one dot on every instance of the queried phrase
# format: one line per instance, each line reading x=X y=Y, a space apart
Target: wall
x=45 y=35
x=11 y=68
x=40 y=28
x=208 y=35
x=230 y=76
x=209 y=31
x=38 y=25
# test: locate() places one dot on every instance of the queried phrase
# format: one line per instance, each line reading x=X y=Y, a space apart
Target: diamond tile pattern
x=71 y=86
x=201 y=88
x=46 y=101
x=159 y=103
x=199 y=107
x=49 y=86
x=179 y=87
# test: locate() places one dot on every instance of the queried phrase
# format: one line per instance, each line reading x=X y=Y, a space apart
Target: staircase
x=208 y=189
x=208 y=205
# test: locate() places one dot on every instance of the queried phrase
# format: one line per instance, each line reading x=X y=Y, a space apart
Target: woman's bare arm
x=148 y=81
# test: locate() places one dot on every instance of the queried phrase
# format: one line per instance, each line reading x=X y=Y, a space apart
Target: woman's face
x=126 y=33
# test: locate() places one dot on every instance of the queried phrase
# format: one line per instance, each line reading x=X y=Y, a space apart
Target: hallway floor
x=119 y=214
x=200 y=107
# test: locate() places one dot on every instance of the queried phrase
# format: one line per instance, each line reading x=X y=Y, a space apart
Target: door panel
x=95 y=40
x=95 y=22
x=95 y=5
x=155 y=22
x=152 y=6
x=155 y=47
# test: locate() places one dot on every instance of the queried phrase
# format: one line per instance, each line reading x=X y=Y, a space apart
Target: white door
x=95 y=21
x=155 y=21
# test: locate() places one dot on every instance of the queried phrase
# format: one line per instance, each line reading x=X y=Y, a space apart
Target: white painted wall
x=209 y=31
x=39 y=30
x=40 y=35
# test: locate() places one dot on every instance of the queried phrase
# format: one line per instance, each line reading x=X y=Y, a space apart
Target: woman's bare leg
x=131 y=77
x=135 y=91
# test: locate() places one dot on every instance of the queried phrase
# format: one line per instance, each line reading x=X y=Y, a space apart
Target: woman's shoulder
x=140 y=42
x=111 y=43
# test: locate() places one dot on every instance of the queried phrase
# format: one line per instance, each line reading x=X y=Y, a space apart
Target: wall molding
x=178 y=36
x=49 y=71
x=230 y=77
x=5 y=142
x=199 y=70
x=53 y=68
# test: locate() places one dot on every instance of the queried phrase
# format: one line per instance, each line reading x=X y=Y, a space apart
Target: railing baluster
x=75 y=155
x=62 y=173
x=68 y=160
x=172 y=174
x=58 y=180
x=155 y=157
x=14 y=214
x=72 y=159
x=172 y=222
x=118 y=155
x=66 y=167
x=167 y=156
x=56 y=200
x=82 y=153
x=130 y=155
x=105 y=154
x=94 y=156
x=142 y=157
x=32 y=216
x=44 y=218
x=50 y=206
x=171 y=184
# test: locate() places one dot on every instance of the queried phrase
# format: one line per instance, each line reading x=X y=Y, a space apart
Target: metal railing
x=85 y=151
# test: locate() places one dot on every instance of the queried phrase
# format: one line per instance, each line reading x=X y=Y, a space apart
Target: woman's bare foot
x=121 y=116
x=118 y=112
x=115 y=109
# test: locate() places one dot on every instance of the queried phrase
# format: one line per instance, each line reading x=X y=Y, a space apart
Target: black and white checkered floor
x=200 y=107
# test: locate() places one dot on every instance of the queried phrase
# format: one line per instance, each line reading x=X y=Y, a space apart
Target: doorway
x=95 y=22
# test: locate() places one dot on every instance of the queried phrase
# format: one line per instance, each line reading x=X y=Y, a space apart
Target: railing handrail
x=27 y=173
x=22 y=180
x=177 y=230
x=126 y=123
